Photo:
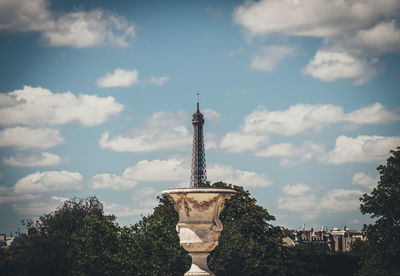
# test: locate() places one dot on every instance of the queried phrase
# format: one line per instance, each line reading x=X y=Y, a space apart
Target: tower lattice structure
x=198 y=173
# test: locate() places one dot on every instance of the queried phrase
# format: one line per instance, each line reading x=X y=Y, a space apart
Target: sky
x=301 y=100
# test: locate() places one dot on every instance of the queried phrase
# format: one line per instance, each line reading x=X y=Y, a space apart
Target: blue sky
x=301 y=101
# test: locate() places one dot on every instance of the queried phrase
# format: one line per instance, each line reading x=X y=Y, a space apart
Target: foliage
x=78 y=239
x=381 y=251
x=75 y=239
x=308 y=259
x=157 y=244
x=248 y=245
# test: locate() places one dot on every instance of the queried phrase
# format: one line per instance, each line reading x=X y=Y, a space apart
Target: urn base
x=199 y=265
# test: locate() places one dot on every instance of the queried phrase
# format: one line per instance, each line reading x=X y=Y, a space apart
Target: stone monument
x=199 y=226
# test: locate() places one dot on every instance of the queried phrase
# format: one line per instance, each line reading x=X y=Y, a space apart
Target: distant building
x=3 y=242
x=344 y=238
x=335 y=240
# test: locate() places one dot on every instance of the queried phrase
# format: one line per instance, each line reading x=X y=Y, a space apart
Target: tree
x=157 y=249
x=307 y=259
x=75 y=239
x=249 y=244
x=380 y=253
x=78 y=239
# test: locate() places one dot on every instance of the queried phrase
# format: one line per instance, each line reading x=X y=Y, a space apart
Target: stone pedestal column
x=199 y=226
x=199 y=265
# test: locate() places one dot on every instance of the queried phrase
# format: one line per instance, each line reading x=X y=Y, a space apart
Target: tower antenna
x=198 y=105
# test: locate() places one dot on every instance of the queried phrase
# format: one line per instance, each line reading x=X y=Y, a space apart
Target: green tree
x=249 y=244
x=311 y=259
x=76 y=239
x=98 y=249
x=380 y=253
x=157 y=250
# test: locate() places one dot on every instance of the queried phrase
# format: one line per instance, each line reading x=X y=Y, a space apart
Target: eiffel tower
x=198 y=173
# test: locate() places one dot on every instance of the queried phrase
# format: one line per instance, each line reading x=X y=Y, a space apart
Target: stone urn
x=199 y=226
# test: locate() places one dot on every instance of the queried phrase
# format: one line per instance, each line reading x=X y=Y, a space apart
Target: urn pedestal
x=199 y=226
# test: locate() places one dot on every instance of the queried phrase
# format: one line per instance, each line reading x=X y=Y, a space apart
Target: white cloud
x=22 y=15
x=159 y=80
x=281 y=150
x=173 y=169
x=30 y=138
x=145 y=143
x=85 y=29
x=299 y=17
x=38 y=106
x=211 y=114
x=217 y=172
x=296 y=189
x=330 y=65
x=124 y=211
x=341 y=200
x=119 y=78
x=267 y=58
x=364 y=180
x=292 y=155
x=49 y=182
x=162 y=131
x=147 y=192
x=36 y=207
x=29 y=203
x=238 y=142
x=360 y=29
x=112 y=181
x=299 y=198
x=373 y=114
x=361 y=149
x=143 y=202
x=42 y=159
x=39 y=206
x=382 y=38
x=298 y=119
x=302 y=199
x=178 y=170
x=77 y=29
x=170 y=170
x=59 y=198
x=8 y=196
x=126 y=78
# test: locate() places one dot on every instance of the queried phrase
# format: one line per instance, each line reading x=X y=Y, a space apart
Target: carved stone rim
x=198 y=191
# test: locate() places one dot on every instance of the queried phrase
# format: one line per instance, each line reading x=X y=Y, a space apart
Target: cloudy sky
x=301 y=99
